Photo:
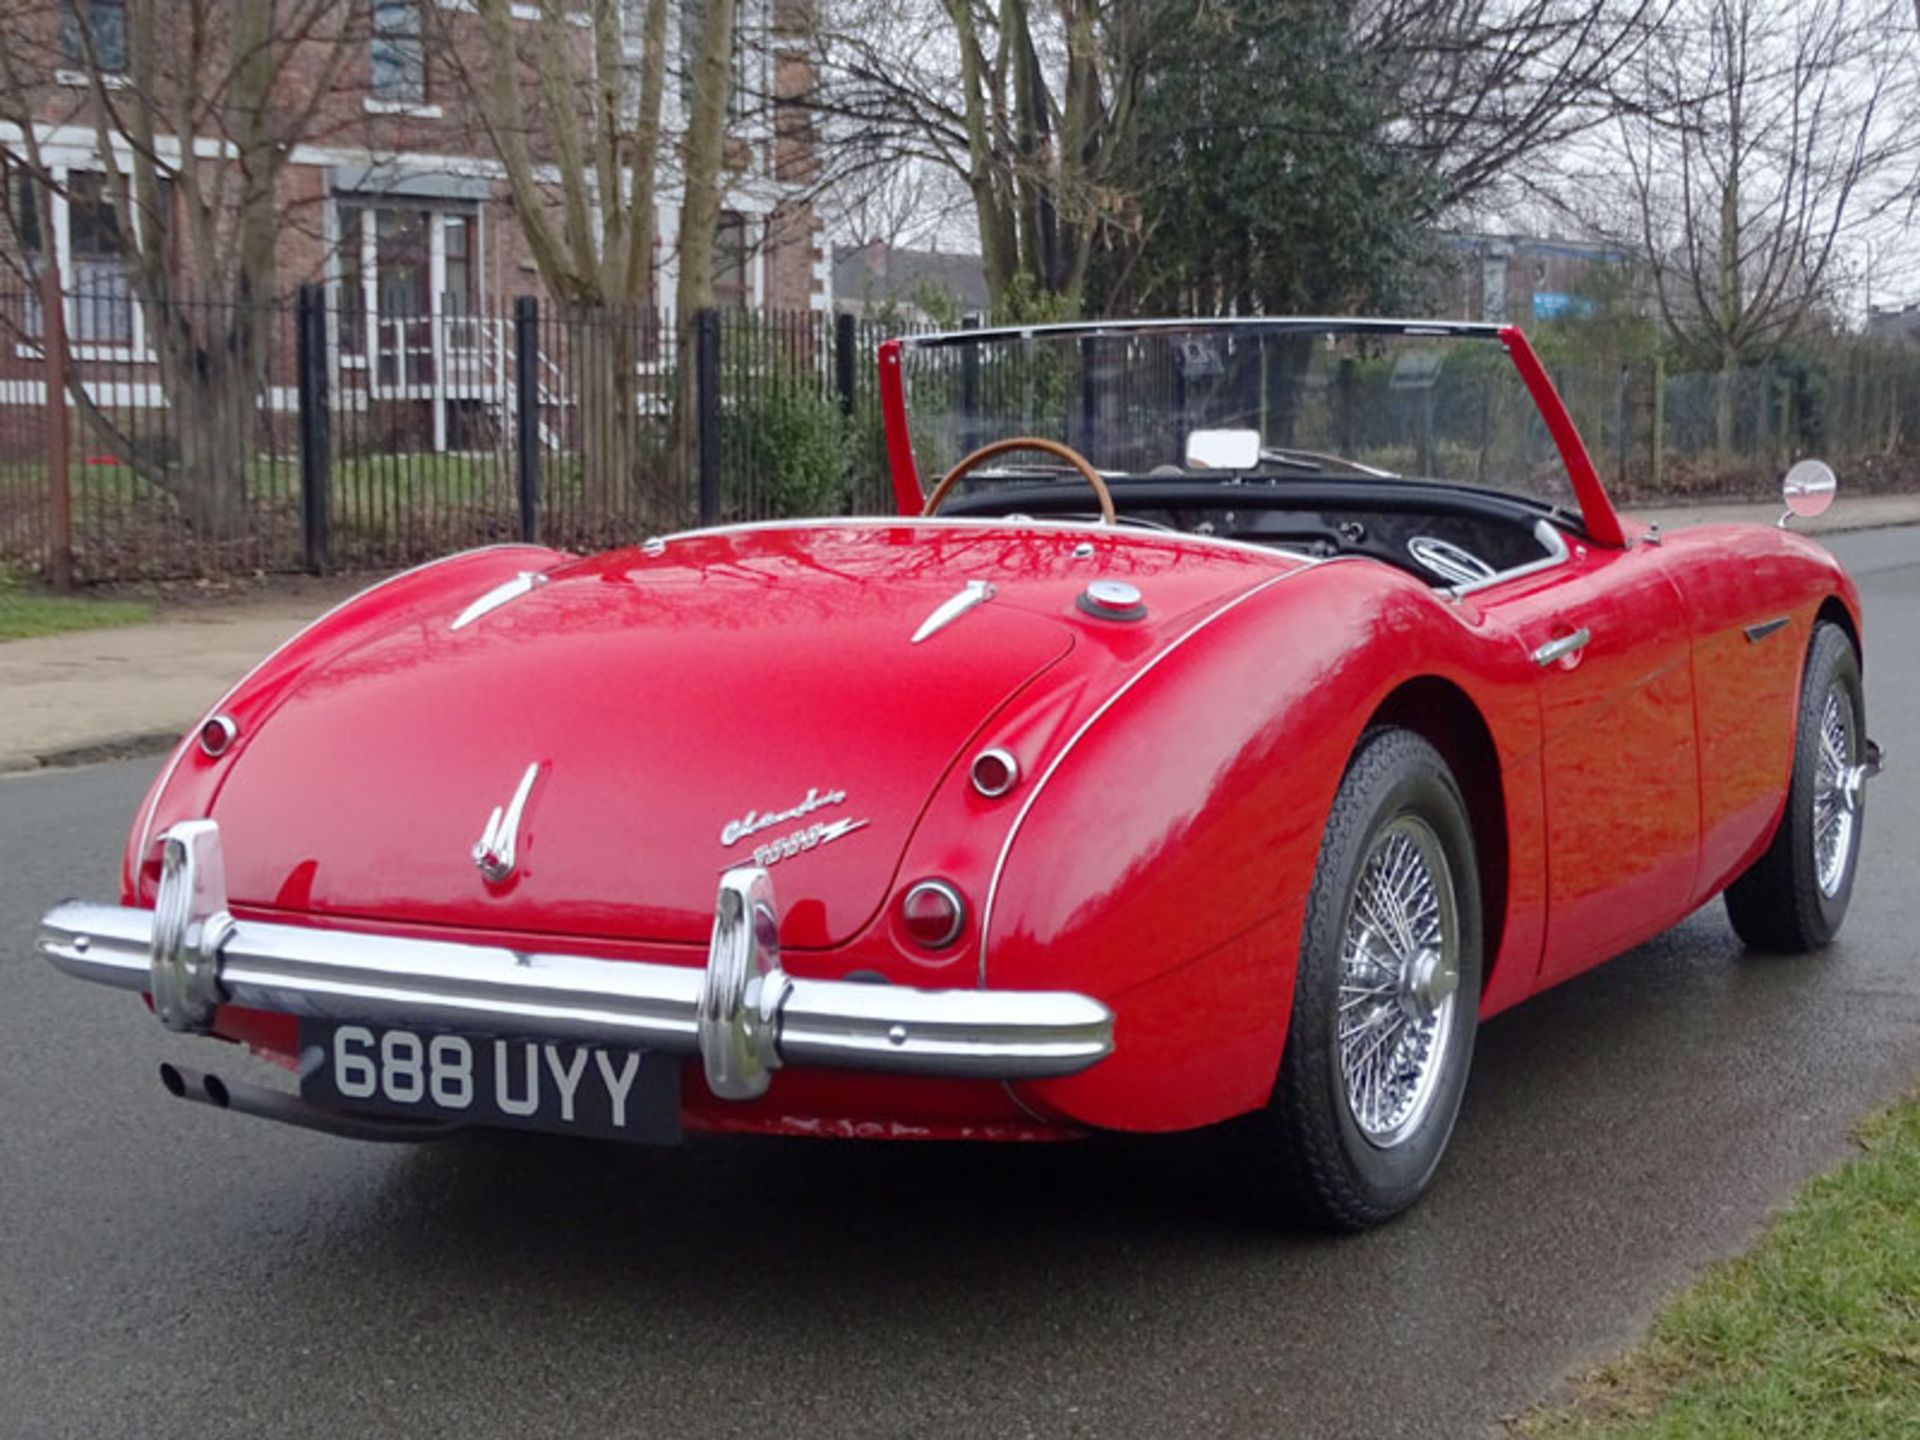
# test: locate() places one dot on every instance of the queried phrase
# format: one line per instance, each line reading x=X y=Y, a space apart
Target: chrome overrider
x=742 y=1013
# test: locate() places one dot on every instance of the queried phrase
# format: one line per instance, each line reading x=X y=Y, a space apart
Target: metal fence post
x=1659 y=422
x=59 y=432
x=1623 y=426
x=526 y=413
x=316 y=429
x=969 y=389
x=706 y=375
x=844 y=377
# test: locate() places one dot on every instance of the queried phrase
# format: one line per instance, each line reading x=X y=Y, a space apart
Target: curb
x=94 y=752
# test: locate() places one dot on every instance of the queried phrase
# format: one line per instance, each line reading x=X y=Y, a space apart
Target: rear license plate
x=480 y=1080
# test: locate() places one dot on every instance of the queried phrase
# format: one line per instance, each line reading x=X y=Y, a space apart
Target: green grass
x=27 y=611
x=1813 y=1334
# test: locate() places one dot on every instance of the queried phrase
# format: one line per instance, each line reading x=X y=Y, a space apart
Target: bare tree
x=703 y=165
x=1030 y=106
x=1035 y=106
x=1746 y=166
x=571 y=103
x=576 y=127
x=1481 y=88
x=194 y=110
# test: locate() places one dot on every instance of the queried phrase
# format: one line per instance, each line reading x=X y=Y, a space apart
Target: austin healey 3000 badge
x=795 y=842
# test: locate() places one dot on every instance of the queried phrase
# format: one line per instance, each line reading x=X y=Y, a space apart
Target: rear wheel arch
x=1447 y=718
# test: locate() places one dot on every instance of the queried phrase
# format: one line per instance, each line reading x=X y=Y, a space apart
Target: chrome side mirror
x=1808 y=489
x=1223 y=449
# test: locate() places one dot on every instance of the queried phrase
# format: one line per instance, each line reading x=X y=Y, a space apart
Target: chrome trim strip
x=1557 y=554
x=505 y=593
x=1040 y=785
x=743 y=1020
x=974 y=592
x=998 y=522
x=1121 y=329
x=180 y=751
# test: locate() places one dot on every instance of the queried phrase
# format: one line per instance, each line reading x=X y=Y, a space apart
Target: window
x=396 y=55
x=353 y=298
x=27 y=204
x=402 y=267
x=99 y=24
x=102 y=287
x=457 y=241
x=732 y=263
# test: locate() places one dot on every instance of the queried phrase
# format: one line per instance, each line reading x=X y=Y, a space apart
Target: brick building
x=1522 y=279
x=392 y=196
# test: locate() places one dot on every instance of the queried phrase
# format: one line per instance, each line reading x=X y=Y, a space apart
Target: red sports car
x=1249 y=710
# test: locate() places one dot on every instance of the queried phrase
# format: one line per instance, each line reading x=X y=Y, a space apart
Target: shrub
x=787 y=452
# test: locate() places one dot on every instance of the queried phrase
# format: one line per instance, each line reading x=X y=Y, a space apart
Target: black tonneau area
x=1375 y=516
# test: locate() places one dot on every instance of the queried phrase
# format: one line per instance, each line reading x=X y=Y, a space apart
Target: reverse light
x=933 y=914
x=994 y=772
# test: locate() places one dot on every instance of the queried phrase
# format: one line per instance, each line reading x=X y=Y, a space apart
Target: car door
x=1609 y=640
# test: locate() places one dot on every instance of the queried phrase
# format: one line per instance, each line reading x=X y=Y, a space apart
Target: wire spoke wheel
x=1385 y=996
x=1836 y=792
x=1400 y=973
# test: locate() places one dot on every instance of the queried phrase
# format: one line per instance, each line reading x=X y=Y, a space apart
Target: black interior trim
x=1319 y=515
x=1031 y=494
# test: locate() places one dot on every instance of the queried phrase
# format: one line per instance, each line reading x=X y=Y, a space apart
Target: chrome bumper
x=742 y=1013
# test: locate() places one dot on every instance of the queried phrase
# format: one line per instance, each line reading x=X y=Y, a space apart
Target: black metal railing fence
x=364 y=441
x=312 y=435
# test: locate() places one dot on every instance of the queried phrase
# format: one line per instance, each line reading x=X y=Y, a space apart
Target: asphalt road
x=166 y=1270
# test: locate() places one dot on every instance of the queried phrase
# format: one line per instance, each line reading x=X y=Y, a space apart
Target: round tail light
x=218 y=734
x=933 y=914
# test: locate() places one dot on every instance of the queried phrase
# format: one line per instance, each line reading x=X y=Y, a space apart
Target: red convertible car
x=1236 y=714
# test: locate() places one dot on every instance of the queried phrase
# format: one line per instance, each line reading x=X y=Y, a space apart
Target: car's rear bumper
x=741 y=1013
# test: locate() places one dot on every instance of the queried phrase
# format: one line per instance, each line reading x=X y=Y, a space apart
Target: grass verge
x=27 y=611
x=1814 y=1333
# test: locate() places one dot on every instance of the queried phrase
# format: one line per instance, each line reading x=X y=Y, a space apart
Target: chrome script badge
x=795 y=842
x=754 y=821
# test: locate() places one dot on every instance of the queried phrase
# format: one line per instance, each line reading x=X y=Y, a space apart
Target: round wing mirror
x=1808 y=488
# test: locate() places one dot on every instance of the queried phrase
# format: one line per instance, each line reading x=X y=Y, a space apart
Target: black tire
x=1307 y=1152
x=1780 y=903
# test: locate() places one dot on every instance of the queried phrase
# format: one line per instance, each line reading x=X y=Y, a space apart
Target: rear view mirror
x=1808 y=488
x=1223 y=449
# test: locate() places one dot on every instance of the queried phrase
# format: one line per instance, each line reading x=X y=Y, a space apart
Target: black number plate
x=478 y=1080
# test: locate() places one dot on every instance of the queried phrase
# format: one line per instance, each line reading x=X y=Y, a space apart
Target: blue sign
x=1554 y=305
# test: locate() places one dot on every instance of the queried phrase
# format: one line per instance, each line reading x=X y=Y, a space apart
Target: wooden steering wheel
x=1024 y=442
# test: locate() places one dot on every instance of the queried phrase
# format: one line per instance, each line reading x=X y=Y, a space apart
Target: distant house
x=1895 y=324
x=874 y=277
x=397 y=204
x=1524 y=279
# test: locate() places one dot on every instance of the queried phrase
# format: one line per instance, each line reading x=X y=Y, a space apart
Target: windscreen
x=1273 y=400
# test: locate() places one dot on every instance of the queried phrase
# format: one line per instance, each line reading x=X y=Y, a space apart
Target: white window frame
x=135 y=351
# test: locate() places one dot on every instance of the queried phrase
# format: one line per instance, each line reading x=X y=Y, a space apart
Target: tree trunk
x=606 y=365
x=213 y=416
x=1726 y=385
x=211 y=381
x=699 y=222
